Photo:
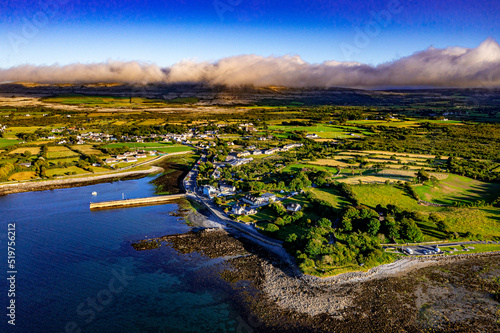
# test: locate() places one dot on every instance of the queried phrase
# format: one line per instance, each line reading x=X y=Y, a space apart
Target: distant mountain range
x=221 y=95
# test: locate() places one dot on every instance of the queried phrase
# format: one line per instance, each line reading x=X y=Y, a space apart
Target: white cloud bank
x=450 y=67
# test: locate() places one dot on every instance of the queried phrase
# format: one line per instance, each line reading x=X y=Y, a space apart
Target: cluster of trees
x=395 y=224
x=115 y=151
x=469 y=141
x=144 y=130
x=473 y=168
x=299 y=182
x=321 y=246
x=283 y=218
x=6 y=169
x=411 y=191
x=347 y=191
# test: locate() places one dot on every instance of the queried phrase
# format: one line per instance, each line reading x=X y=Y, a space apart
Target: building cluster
x=223 y=189
x=240 y=158
x=103 y=137
x=129 y=157
x=248 y=204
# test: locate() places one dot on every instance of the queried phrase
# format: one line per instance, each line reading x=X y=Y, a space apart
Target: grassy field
x=409 y=173
x=88 y=150
x=98 y=169
x=331 y=196
x=65 y=171
x=372 y=195
x=8 y=142
x=140 y=145
x=477 y=248
x=323 y=131
x=172 y=149
x=65 y=160
x=458 y=189
x=163 y=147
x=60 y=151
x=332 y=163
x=300 y=166
x=32 y=150
x=25 y=175
x=372 y=179
x=11 y=132
x=386 y=153
x=113 y=101
x=483 y=221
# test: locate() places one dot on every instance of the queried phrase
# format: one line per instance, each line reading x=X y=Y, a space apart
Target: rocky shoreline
x=409 y=295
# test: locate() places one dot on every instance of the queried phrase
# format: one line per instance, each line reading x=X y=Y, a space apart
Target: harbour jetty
x=157 y=200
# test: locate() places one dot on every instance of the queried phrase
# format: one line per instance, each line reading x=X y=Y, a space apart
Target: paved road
x=189 y=184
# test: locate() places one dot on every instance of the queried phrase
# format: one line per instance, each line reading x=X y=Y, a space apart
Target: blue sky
x=45 y=32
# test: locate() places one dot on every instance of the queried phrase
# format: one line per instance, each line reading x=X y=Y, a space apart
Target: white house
x=209 y=190
x=253 y=200
x=293 y=207
x=237 y=210
x=268 y=197
x=227 y=189
x=249 y=211
x=243 y=154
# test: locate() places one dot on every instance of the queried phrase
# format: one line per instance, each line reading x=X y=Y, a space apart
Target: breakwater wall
x=158 y=200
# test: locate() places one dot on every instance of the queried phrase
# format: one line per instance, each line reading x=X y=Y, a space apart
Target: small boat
x=94 y=193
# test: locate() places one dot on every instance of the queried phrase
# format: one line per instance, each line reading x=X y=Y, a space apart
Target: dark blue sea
x=77 y=271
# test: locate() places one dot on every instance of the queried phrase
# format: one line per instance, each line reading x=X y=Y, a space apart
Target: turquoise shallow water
x=78 y=271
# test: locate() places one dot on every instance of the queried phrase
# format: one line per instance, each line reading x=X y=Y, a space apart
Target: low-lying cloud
x=450 y=67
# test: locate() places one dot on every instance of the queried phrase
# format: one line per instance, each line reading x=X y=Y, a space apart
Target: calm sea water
x=78 y=272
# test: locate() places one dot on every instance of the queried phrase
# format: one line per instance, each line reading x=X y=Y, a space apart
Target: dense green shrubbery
x=6 y=170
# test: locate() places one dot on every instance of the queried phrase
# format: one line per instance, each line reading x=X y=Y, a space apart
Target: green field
x=478 y=248
x=8 y=142
x=458 y=189
x=323 y=130
x=163 y=147
x=88 y=150
x=300 y=166
x=139 y=145
x=173 y=149
x=372 y=195
x=65 y=171
x=108 y=101
x=11 y=132
x=483 y=221
x=58 y=152
x=331 y=196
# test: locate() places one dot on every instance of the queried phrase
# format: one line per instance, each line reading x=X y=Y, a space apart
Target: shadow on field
x=431 y=231
x=494 y=213
x=487 y=192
